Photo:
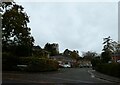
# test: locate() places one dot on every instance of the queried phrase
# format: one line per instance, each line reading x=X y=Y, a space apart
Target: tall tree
x=53 y=49
x=89 y=55
x=67 y=52
x=15 y=32
x=74 y=54
x=107 y=49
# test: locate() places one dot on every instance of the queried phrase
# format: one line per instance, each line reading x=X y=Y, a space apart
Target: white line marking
x=92 y=75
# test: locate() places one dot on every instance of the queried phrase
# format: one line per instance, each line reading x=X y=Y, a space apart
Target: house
x=38 y=51
x=85 y=63
x=116 y=57
x=55 y=46
x=63 y=59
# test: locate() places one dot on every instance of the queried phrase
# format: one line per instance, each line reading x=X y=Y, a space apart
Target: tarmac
x=105 y=77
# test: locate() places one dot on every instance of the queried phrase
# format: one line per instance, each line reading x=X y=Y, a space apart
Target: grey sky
x=77 y=26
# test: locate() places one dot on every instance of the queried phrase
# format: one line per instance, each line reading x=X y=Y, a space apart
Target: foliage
x=101 y=64
x=9 y=61
x=89 y=55
x=107 y=50
x=39 y=52
x=106 y=56
x=73 y=54
x=95 y=61
x=67 y=52
x=107 y=44
x=112 y=69
x=52 y=49
x=5 y=5
x=15 y=32
x=39 y=64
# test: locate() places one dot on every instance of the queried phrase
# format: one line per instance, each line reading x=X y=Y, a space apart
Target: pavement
x=103 y=76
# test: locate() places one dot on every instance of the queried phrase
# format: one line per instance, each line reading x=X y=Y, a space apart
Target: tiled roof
x=62 y=57
x=116 y=54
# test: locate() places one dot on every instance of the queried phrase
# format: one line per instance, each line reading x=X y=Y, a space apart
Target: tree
x=52 y=49
x=118 y=48
x=16 y=36
x=107 y=44
x=67 y=52
x=95 y=61
x=39 y=52
x=114 y=46
x=107 y=49
x=89 y=55
x=73 y=54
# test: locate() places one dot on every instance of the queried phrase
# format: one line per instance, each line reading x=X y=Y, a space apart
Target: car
x=81 y=66
x=64 y=65
x=67 y=65
x=118 y=61
x=61 y=65
x=22 y=67
x=85 y=65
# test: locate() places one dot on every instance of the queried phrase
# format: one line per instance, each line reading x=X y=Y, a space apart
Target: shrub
x=39 y=64
x=95 y=62
x=9 y=61
x=112 y=69
x=25 y=60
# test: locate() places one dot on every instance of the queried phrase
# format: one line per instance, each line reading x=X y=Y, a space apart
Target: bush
x=24 y=60
x=95 y=62
x=9 y=61
x=112 y=69
x=39 y=64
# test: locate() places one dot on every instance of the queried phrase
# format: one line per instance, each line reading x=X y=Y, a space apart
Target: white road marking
x=92 y=75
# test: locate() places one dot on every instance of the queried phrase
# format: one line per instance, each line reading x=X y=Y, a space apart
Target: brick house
x=116 y=57
x=63 y=59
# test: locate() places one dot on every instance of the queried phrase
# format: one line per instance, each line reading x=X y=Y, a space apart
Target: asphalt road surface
x=65 y=76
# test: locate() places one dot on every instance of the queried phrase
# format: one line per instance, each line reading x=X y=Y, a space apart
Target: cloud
x=80 y=26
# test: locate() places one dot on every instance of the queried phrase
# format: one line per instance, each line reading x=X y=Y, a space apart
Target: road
x=81 y=76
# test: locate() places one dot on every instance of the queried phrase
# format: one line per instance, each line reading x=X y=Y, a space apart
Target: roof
x=116 y=54
x=62 y=57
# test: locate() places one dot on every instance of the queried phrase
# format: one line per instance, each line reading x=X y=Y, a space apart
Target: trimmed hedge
x=9 y=62
x=34 y=64
x=112 y=69
x=39 y=64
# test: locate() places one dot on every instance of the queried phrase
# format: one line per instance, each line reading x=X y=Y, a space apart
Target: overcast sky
x=74 y=25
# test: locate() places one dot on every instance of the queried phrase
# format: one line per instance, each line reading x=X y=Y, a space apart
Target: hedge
x=34 y=64
x=112 y=69
x=9 y=62
x=39 y=64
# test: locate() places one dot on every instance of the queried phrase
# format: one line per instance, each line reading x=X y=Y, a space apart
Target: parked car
x=85 y=65
x=65 y=65
x=81 y=66
x=22 y=67
x=118 y=61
